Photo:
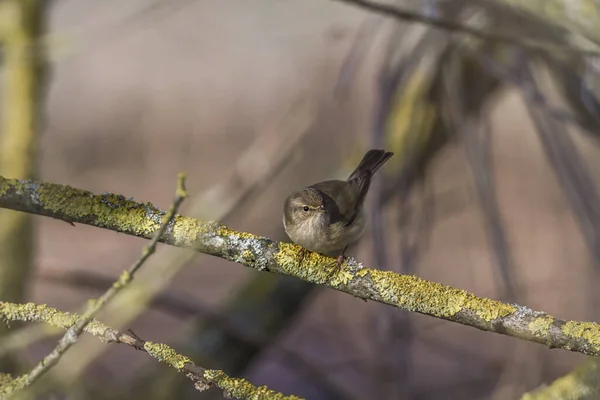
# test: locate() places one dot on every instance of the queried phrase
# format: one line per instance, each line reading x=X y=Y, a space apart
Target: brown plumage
x=328 y=216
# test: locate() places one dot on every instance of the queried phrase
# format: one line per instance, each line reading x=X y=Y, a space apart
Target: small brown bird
x=328 y=216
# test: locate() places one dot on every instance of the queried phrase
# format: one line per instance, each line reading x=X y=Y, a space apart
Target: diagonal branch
x=448 y=25
x=407 y=292
x=73 y=333
x=202 y=378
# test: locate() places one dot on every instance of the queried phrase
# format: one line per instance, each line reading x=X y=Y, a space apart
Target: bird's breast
x=321 y=238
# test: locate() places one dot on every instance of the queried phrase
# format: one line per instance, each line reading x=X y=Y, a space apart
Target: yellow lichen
x=165 y=354
x=589 y=331
x=578 y=384
x=540 y=326
x=248 y=257
x=6 y=185
x=123 y=280
x=404 y=291
x=222 y=230
x=186 y=230
x=9 y=386
x=49 y=315
x=242 y=389
x=312 y=267
x=487 y=309
x=415 y=294
x=107 y=210
x=35 y=312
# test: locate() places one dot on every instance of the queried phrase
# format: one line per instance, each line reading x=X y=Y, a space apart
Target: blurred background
x=492 y=188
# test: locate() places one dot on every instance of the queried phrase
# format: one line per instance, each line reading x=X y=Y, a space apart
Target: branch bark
x=407 y=292
x=202 y=378
x=73 y=333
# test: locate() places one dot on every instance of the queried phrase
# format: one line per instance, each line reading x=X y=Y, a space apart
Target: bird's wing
x=358 y=186
x=343 y=198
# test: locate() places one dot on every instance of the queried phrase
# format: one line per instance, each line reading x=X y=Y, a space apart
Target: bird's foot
x=338 y=265
x=303 y=253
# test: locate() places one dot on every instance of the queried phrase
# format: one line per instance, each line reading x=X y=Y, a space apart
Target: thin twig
x=178 y=308
x=406 y=15
x=73 y=333
x=256 y=167
x=202 y=378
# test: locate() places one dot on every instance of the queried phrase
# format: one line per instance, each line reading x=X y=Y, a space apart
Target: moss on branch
x=410 y=293
x=203 y=378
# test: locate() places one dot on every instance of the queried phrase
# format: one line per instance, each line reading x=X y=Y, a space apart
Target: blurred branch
x=203 y=378
x=474 y=133
x=22 y=22
x=571 y=171
x=73 y=333
x=410 y=293
x=583 y=383
x=448 y=25
x=253 y=169
x=581 y=17
x=175 y=307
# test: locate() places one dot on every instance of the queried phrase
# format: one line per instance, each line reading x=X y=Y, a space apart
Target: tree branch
x=202 y=378
x=447 y=25
x=410 y=293
x=73 y=333
x=580 y=384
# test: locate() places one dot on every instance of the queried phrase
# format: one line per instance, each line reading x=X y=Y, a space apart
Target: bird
x=329 y=216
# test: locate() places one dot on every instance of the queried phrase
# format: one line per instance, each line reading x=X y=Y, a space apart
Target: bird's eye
x=305 y=208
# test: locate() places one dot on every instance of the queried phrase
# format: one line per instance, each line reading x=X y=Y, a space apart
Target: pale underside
x=332 y=239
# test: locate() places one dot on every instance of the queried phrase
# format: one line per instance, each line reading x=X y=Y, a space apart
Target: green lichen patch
x=581 y=383
x=414 y=294
x=107 y=210
x=589 y=331
x=242 y=389
x=541 y=325
x=164 y=353
x=224 y=231
x=6 y=185
x=123 y=280
x=306 y=265
x=35 y=312
x=51 y=316
x=186 y=230
x=431 y=298
x=487 y=309
x=9 y=386
x=405 y=291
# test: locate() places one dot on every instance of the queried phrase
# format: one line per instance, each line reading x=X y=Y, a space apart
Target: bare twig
x=202 y=378
x=73 y=333
x=406 y=15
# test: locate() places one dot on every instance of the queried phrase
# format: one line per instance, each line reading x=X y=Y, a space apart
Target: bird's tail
x=371 y=162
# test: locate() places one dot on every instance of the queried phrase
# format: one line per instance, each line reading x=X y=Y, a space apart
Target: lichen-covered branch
x=580 y=384
x=582 y=16
x=411 y=293
x=201 y=377
x=94 y=307
x=402 y=14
